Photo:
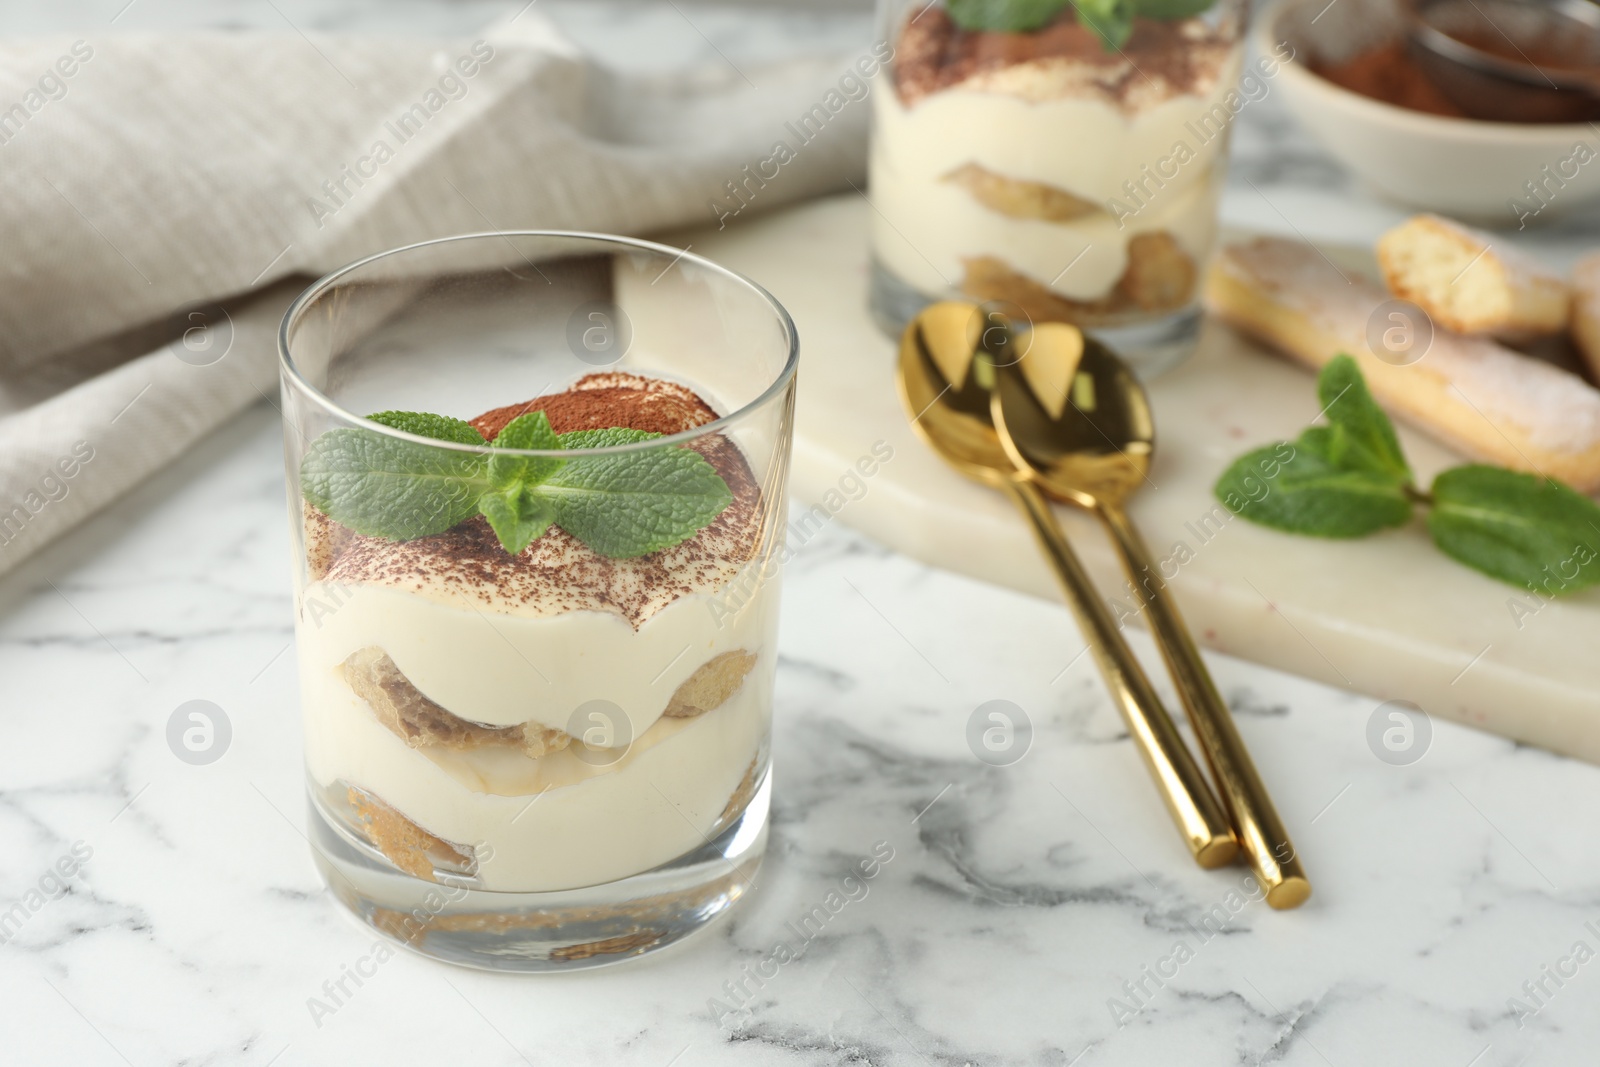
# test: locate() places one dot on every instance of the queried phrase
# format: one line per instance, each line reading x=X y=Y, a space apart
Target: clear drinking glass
x=1051 y=170
x=553 y=757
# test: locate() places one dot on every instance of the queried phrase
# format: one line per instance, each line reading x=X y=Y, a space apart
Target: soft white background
x=1018 y=902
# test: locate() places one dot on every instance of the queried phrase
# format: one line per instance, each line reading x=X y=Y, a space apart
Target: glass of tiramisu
x=536 y=485
x=1059 y=160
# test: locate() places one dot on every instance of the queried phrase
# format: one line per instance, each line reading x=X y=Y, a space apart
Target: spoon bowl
x=942 y=358
x=1090 y=438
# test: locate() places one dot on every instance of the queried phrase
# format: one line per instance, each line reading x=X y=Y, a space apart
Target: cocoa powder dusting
x=1174 y=57
x=599 y=401
x=558 y=573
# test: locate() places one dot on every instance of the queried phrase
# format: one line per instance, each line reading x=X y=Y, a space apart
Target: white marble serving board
x=1388 y=616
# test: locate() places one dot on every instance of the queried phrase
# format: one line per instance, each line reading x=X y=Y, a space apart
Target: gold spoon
x=947 y=364
x=1072 y=416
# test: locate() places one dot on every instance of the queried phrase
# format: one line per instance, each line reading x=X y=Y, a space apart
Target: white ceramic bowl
x=1467 y=169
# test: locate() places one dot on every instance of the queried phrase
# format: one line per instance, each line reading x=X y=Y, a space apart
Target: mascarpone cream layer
x=556 y=822
x=490 y=665
x=925 y=226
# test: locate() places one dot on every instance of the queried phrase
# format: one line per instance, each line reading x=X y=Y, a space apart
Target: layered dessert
x=1075 y=179
x=554 y=717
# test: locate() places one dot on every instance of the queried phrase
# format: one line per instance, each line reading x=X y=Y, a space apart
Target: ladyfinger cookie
x=1586 y=310
x=1481 y=398
x=1466 y=284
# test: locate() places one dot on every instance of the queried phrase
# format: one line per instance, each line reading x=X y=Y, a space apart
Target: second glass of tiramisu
x=1059 y=161
x=536 y=485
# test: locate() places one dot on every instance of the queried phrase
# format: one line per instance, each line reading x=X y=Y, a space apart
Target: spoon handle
x=1194 y=808
x=1260 y=832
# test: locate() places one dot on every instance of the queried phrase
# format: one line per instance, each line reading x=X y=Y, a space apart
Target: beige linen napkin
x=162 y=199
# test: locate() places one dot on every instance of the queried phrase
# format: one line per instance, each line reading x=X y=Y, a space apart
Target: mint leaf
x=531 y=431
x=1335 y=447
x=1169 y=10
x=516 y=516
x=1111 y=20
x=1517 y=527
x=1297 y=489
x=383 y=487
x=1363 y=437
x=1006 y=16
x=440 y=427
x=614 y=435
x=1319 y=441
x=528 y=431
x=637 y=502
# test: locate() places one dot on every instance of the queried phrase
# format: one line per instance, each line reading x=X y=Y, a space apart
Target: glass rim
x=291 y=370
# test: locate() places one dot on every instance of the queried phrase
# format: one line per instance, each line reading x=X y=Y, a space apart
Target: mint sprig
x=1004 y=16
x=1111 y=20
x=1350 y=478
x=621 y=506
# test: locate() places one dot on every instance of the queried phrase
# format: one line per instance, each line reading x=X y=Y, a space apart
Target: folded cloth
x=164 y=198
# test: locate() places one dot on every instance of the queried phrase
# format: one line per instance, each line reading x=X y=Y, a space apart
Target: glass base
x=1154 y=346
x=1151 y=347
x=552 y=931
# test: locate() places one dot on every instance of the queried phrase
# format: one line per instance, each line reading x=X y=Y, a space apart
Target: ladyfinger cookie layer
x=1487 y=401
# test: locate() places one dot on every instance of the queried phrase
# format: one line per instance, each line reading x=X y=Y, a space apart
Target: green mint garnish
x=1171 y=10
x=1111 y=20
x=1517 y=527
x=635 y=503
x=515 y=508
x=1350 y=478
x=1360 y=435
x=1307 y=494
x=1004 y=16
x=620 y=506
x=615 y=435
x=531 y=432
x=517 y=517
x=438 y=427
x=383 y=487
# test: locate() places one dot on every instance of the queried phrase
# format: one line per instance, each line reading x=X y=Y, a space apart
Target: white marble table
x=1018 y=902
x=1042 y=913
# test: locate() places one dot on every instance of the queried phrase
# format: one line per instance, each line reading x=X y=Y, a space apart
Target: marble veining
x=1042 y=913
